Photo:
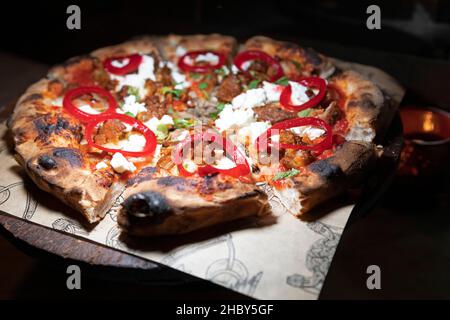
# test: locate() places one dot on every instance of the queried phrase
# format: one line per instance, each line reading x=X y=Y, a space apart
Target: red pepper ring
x=150 y=138
x=251 y=55
x=241 y=169
x=134 y=60
x=325 y=144
x=200 y=68
x=84 y=116
x=315 y=82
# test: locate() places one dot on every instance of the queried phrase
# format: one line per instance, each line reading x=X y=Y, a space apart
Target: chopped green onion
x=128 y=113
x=175 y=92
x=304 y=113
x=283 y=81
x=202 y=85
x=220 y=106
x=134 y=92
x=180 y=123
x=161 y=131
x=195 y=75
x=253 y=84
x=285 y=174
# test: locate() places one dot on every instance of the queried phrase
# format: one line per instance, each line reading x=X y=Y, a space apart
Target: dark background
x=408 y=236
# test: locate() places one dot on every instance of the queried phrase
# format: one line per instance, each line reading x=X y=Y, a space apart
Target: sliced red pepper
x=134 y=60
x=241 y=169
x=310 y=82
x=251 y=55
x=150 y=137
x=326 y=143
x=84 y=116
x=204 y=68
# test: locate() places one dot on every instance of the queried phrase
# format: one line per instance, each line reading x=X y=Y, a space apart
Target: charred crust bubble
x=171 y=181
x=47 y=162
x=325 y=168
x=147 y=206
x=144 y=175
x=33 y=97
x=70 y=155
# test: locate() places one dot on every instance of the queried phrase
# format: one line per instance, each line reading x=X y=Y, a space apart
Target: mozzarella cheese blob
x=132 y=106
x=88 y=109
x=137 y=80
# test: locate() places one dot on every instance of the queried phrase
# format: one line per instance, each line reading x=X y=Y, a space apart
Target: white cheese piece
x=209 y=57
x=145 y=71
x=58 y=102
x=251 y=98
x=234 y=69
x=253 y=131
x=230 y=118
x=298 y=95
x=132 y=106
x=120 y=164
x=272 y=91
x=154 y=122
x=120 y=63
x=311 y=132
x=101 y=165
x=224 y=163
x=178 y=77
x=135 y=142
x=88 y=109
x=180 y=51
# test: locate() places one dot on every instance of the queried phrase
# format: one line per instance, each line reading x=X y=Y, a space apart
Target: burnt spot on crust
x=33 y=97
x=72 y=156
x=207 y=185
x=325 y=168
x=312 y=57
x=47 y=162
x=144 y=175
x=47 y=126
x=171 y=181
x=149 y=206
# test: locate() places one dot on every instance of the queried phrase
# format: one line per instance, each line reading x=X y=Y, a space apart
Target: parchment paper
x=275 y=258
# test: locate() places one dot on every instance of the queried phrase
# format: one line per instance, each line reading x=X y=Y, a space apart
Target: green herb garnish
x=285 y=174
x=202 y=85
x=194 y=75
x=253 y=84
x=175 y=92
x=128 y=113
x=161 y=131
x=305 y=113
x=222 y=71
x=180 y=123
x=283 y=81
x=220 y=106
x=134 y=92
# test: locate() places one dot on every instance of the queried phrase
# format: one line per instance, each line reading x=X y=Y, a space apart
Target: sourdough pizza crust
x=174 y=205
x=47 y=141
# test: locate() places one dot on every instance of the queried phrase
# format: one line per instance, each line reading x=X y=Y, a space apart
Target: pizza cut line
x=187 y=127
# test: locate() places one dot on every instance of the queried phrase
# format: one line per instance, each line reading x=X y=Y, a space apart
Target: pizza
x=189 y=130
